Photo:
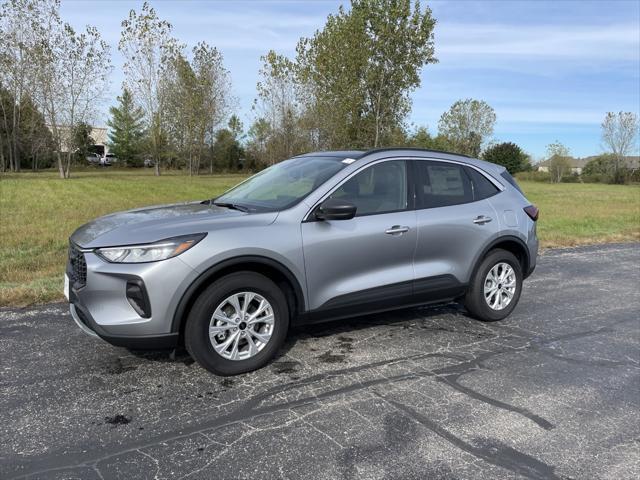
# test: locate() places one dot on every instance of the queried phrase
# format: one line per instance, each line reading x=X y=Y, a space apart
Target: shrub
x=509 y=155
x=534 y=176
x=596 y=178
x=570 y=178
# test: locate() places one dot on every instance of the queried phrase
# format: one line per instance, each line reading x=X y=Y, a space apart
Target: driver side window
x=381 y=188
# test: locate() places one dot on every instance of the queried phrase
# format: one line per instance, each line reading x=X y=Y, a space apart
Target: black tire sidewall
x=197 y=340
x=476 y=303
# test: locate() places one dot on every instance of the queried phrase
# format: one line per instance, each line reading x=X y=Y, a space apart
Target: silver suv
x=321 y=236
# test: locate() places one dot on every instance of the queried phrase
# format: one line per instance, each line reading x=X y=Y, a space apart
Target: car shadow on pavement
x=339 y=328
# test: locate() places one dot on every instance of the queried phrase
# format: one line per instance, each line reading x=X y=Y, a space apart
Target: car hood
x=151 y=224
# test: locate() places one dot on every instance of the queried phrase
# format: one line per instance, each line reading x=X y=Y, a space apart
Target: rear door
x=454 y=222
x=364 y=264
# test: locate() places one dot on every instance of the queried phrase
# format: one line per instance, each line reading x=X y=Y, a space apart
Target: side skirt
x=443 y=288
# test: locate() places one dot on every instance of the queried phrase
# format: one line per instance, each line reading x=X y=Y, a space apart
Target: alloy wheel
x=241 y=326
x=500 y=286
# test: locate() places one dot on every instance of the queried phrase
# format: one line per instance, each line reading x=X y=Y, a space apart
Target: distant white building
x=578 y=164
x=98 y=134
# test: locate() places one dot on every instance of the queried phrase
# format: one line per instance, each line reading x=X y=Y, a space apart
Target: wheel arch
x=270 y=268
x=511 y=244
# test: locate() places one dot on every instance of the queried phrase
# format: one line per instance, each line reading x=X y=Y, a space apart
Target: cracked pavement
x=551 y=392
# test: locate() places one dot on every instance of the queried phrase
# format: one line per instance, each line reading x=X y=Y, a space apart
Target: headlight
x=151 y=252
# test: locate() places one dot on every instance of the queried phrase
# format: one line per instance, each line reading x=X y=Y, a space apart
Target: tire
x=475 y=301
x=216 y=299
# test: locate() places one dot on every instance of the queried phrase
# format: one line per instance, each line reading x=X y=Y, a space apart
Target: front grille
x=78 y=267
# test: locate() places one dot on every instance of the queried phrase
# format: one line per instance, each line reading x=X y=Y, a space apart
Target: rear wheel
x=237 y=324
x=495 y=288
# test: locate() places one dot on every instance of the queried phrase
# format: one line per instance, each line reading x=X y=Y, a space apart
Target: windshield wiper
x=233 y=206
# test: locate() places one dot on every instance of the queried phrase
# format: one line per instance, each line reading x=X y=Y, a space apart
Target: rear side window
x=440 y=184
x=507 y=176
x=481 y=186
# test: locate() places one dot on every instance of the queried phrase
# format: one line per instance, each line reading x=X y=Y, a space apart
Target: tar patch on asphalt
x=117 y=420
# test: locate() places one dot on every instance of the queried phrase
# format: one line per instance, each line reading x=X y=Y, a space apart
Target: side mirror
x=336 y=209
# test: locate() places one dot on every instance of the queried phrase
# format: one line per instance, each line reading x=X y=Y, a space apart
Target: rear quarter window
x=481 y=186
x=507 y=176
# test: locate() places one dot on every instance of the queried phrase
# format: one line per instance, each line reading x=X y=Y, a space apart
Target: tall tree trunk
x=67 y=172
x=60 y=166
x=13 y=143
x=10 y=152
x=16 y=152
x=3 y=165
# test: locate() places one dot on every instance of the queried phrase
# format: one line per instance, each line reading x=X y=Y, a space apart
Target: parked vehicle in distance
x=321 y=236
x=148 y=162
x=107 y=160
x=93 y=159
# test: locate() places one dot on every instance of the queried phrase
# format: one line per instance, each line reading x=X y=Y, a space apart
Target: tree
x=235 y=125
x=280 y=111
x=558 y=161
x=256 y=148
x=468 y=124
x=127 y=129
x=421 y=138
x=81 y=141
x=34 y=138
x=148 y=49
x=34 y=142
x=356 y=74
x=509 y=155
x=197 y=100
x=71 y=76
x=213 y=87
x=603 y=165
x=619 y=134
x=227 y=152
x=19 y=35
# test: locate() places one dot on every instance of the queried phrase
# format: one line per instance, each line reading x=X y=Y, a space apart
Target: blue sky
x=551 y=70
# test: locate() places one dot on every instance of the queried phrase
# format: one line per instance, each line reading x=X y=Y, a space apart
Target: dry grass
x=38 y=212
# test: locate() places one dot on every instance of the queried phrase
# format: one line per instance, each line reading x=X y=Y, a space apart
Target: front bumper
x=138 y=342
x=101 y=309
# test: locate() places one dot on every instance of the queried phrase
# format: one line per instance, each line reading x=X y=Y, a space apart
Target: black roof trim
x=357 y=154
x=341 y=154
x=426 y=150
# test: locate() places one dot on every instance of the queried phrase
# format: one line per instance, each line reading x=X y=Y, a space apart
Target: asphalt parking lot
x=552 y=392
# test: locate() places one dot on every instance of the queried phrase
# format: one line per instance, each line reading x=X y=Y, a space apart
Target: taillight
x=532 y=211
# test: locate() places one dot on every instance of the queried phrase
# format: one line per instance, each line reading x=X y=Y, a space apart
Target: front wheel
x=237 y=324
x=495 y=288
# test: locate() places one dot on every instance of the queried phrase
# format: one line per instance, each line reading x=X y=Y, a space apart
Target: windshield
x=282 y=185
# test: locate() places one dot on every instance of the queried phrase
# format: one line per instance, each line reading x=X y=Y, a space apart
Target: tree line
x=348 y=86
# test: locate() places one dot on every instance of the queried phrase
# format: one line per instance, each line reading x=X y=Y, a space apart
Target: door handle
x=397 y=230
x=481 y=220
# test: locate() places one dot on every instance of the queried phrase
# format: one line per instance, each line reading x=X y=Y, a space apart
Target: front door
x=363 y=264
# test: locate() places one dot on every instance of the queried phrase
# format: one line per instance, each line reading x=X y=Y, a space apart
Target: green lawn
x=38 y=212
x=585 y=213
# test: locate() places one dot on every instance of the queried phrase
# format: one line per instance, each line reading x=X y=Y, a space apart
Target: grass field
x=38 y=212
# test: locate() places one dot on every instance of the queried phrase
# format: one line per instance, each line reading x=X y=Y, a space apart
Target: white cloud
x=549 y=116
x=584 y=42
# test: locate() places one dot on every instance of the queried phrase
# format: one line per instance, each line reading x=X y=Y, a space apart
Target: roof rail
x=386 y=149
